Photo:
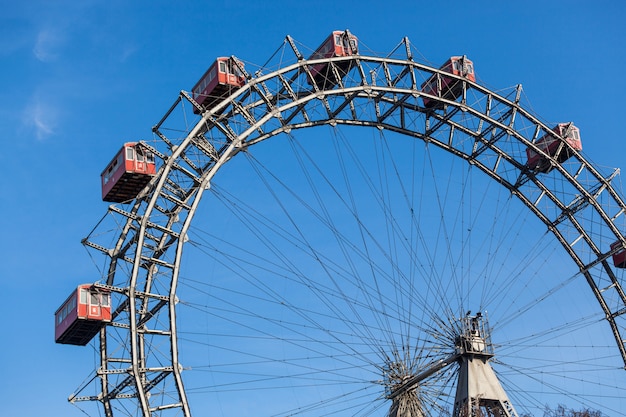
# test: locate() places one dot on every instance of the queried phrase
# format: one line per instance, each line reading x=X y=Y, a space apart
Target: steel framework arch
x=485 y=129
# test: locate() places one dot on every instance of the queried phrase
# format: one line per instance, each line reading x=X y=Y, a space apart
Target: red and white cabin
x=447 y=87
x=619 y=258
x=217 y=83
x=128 y=173
x=336 y=44
x=551 y=144
x=82 y=315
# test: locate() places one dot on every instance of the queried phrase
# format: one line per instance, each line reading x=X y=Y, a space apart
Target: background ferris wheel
x=356 y=258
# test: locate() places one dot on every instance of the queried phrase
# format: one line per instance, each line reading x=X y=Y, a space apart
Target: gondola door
x=94 y=305
x=139 y=160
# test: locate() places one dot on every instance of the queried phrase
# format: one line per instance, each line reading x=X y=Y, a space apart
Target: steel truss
x=139 y=353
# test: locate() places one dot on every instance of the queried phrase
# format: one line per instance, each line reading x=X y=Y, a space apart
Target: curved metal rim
x=257 y=106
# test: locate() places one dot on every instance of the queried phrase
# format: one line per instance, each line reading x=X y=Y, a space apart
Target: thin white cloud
x=127 y=51
x=47 y=45
x=40 y=117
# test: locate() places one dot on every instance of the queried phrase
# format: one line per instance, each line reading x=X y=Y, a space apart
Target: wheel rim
x=485 y=129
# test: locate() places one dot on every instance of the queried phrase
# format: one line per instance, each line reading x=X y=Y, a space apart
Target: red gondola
x=337 y=44
x=551 y=144
x=217 y=83
x=82 y=315
x=619 y=258
x=447 y=87
x=128 y=173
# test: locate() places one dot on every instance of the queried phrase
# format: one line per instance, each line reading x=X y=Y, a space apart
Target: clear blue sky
x=80 y=77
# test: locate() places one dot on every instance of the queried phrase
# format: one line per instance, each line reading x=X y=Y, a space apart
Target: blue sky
x=80 y=78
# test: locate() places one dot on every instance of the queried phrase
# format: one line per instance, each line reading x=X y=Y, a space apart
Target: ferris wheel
x=377 y=236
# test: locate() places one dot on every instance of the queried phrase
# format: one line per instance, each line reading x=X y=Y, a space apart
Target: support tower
x=478 y=391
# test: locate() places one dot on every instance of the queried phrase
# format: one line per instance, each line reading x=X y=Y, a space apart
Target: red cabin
x=217 y=83
x=128 y=173
x=551 y=145
x=337 y=44
x=447 y=87
x=82 y=315
x=619 y=258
